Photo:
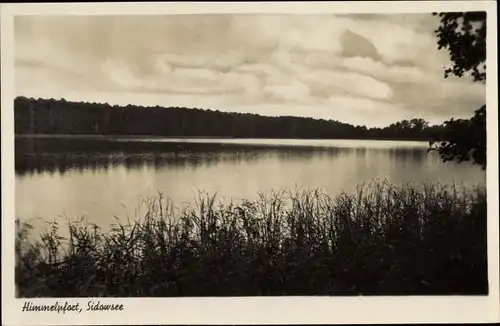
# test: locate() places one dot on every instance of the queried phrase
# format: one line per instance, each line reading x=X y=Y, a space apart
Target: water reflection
x=60 y=155
x=103 y=178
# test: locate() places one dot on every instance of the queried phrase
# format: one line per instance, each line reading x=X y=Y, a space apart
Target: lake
x=103 y=177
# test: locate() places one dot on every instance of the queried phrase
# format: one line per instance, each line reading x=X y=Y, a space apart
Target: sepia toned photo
x=221 y=155
x=250 y=154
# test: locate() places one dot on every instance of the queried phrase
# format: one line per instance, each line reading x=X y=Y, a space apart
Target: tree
x=419 y=124
x=463 y=34
x=465 y=139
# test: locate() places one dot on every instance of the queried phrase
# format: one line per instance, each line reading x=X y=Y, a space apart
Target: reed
x=380 y=240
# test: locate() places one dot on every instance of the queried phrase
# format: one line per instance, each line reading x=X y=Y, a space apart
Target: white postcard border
x=251 y=310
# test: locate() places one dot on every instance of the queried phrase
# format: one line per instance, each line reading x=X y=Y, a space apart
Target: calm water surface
x=104 y=177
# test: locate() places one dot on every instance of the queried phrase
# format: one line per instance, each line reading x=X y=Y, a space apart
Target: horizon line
x=225 y=112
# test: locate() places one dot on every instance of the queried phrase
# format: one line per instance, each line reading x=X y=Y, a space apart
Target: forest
x=50 y=116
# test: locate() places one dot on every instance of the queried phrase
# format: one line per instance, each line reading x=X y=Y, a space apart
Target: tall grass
x=381 y=240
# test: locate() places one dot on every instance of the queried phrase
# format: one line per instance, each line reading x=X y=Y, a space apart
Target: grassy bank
x=381 y=240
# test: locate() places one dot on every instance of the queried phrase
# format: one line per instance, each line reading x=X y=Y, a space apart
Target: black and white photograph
x=251 y=154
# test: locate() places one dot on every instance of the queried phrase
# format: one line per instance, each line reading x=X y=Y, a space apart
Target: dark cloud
x=355 y=45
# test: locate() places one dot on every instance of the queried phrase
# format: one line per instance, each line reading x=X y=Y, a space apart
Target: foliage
x=463 y=34
x=465 y=140
x=62 y=117
x=382 y=240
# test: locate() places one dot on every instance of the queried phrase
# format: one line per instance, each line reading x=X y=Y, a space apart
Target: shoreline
x=124 y=136
x=383 y=240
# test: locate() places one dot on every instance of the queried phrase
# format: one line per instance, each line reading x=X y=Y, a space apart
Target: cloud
x=121 y=75
x=357 y=46
x=288 y=90
x=371 y=68
x=452 y=98
x=326 y=82
x=391 y=73
x=222 y=61
x=179 y=80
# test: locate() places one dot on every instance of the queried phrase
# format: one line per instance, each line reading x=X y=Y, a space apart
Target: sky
x=368 y=70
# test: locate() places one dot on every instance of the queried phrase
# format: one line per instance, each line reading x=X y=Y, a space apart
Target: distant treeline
x=42 y=116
